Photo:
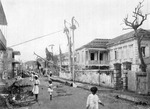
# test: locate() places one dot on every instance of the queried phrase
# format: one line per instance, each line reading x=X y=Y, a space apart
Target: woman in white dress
x=36 y=87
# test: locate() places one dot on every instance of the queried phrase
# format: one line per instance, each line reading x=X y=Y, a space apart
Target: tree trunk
x=143 y=66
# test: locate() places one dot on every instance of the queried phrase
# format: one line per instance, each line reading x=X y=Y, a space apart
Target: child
x=93 y=99
x=50 y=89
x=36 y=87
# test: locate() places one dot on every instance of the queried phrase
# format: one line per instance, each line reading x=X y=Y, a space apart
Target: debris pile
x=17 y=94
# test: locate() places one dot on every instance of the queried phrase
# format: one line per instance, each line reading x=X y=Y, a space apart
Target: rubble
x=17 y=94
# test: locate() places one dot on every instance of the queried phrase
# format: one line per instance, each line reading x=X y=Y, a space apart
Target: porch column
x=88 y=55
x=98 y=57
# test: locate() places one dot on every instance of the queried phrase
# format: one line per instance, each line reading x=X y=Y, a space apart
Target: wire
x=36 y=38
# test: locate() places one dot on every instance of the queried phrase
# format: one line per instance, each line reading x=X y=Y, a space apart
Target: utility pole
x=52 y=51
x=73 y=27
x=66 y=30
x=51 y=66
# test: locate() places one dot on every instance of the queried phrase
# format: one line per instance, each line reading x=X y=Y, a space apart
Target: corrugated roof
x=96 y=43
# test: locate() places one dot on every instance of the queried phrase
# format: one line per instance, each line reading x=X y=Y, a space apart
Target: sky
x=30 y=19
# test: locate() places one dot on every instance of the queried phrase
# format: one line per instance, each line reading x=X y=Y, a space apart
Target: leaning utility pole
x=66 y=30
x=73 y=27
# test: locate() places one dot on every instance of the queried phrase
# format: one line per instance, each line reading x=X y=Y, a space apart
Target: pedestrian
x=36 y=87
x=93 y=99
x=50 y=89
x=32 y=77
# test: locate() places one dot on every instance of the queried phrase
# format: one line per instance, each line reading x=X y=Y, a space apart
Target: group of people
x=92 y=99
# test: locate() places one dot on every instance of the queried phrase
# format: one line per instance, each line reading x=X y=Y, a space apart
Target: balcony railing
x=96 y=62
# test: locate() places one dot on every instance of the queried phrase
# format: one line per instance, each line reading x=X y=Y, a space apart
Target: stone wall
x=104 y=78
x=131 y=81
x=65 y=75
x=87 y=76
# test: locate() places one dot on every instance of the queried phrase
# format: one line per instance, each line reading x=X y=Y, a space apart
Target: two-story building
x=93 y=55
x=106 y=52
x=124 y=48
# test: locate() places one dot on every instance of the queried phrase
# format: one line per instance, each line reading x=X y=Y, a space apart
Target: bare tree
x=138 y=20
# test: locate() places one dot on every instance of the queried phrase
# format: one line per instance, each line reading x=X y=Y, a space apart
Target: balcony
x=2 y=41
x=96 y=62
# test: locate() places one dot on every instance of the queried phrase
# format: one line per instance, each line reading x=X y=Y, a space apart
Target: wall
x=81 y=57
x=132 y=81
x=64 y=75
x=106 y=80
x=90 y=76
x=123 y=53
x=148 y=78
x=87 y=76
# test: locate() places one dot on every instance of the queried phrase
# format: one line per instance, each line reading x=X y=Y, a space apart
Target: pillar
x=98 y=57
x=1 y=67
x=117 y=75
x=126 y=68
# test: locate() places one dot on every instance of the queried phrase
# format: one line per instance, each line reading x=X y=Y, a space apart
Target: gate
x=142 y=84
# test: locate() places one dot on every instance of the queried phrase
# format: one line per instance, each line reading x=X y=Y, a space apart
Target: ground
x=66 y=97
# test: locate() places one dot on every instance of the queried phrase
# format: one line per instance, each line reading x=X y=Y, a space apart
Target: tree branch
x=127 y=22
x=126 y=28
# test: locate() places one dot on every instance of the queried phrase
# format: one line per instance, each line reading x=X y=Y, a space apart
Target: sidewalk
x=118 y=94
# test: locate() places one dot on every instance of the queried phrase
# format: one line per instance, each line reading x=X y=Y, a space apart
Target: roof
x=3 y=20
x=96 y=43
x=127 y=36
x=121 y=38
x=16 y=52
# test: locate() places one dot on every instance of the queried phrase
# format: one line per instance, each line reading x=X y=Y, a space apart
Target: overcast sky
x=28 y=19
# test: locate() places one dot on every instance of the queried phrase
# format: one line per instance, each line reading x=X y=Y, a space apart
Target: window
x=125 y=52
x=78 y=57
x=92 y=56
x=116 y=55
x=143 y=51
x=101 y=56
x=119 y=52
x=131 y=52
x=111 y=54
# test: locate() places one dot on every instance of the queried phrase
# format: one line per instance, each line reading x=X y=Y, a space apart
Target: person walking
x=93 y=100
x=50 y=89
x=36 y=87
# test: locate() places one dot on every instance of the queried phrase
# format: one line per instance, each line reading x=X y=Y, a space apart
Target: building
x=124 y=48
x=107 y=52
x=93 y=55
x=115 y=62
x=3 y=23
x=11 y=65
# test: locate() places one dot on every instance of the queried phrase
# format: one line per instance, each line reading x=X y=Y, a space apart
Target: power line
x=36 y=38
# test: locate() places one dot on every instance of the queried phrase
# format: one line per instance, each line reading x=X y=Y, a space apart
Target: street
x=65 y=97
